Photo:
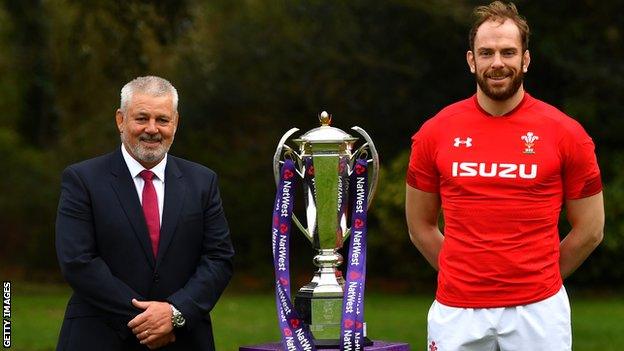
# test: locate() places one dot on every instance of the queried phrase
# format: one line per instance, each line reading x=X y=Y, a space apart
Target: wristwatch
x=177 y=319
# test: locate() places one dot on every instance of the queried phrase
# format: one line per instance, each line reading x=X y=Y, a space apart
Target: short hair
x=150 y=85
x=499 y=12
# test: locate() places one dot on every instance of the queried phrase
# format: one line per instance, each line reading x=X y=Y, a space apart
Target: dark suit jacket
x=105 y=254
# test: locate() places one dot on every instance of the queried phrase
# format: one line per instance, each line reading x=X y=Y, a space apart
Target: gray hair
x=151 y=85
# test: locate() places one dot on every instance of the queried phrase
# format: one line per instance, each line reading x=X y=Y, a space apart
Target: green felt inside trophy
x=326 y=178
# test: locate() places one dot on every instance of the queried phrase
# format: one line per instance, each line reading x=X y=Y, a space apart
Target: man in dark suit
x=141 y=236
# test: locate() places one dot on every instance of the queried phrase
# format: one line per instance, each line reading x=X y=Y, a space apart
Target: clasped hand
x=153 y=326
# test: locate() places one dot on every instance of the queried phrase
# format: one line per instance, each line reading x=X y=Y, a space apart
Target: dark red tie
x=150 y=209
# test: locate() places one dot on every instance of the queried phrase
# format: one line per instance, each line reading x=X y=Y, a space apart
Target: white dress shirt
x=159 y=178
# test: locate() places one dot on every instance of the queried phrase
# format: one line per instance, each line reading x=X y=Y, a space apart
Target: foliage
x=391 y=244
x=25 y=203
x=247 y=71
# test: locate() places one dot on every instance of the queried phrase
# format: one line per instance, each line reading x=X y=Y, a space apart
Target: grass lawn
x=244 y=319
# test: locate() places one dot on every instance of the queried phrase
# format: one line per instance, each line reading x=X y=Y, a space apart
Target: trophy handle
x=372 y=187
x=281 y=145
x=277 y=161
x=305 y=232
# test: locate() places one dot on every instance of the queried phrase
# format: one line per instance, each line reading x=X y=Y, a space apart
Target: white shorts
x=543 y=325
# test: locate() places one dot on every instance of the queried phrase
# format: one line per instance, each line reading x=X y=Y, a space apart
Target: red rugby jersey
x=502 y=181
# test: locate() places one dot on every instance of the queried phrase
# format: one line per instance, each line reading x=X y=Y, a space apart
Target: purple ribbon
x=352 y=324
x=296 y=335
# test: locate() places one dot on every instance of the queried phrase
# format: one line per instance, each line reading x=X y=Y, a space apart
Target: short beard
x=500 y=95
x=141 y=153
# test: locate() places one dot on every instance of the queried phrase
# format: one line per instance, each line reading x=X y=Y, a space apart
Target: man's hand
x=153 y=326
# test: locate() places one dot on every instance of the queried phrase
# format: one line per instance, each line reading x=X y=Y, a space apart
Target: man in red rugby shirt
x=501 y=165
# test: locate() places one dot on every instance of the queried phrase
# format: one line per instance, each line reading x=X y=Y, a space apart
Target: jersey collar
x=524 y=100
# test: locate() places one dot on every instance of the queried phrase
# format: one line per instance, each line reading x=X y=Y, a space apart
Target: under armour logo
x=459 y=141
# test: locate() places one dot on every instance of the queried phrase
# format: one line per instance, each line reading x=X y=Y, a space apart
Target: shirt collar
x=135 y=167
x=525 y=98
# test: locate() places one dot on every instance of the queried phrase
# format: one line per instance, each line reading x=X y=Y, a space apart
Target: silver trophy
x=325 y=159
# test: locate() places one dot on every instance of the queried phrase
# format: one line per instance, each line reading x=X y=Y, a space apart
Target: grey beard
x=143 y=154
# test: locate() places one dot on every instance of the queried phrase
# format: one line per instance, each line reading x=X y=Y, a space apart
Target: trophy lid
x=325 y=134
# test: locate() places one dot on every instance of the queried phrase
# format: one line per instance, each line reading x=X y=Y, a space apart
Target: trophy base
x=323 y=315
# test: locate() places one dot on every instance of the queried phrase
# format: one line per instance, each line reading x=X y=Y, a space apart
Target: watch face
x=178 y=320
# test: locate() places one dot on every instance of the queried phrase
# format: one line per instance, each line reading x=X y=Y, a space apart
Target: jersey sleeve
x=422 y=172
x=581 y=175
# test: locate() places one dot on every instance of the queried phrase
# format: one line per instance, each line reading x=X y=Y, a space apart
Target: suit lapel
x=175 y=192
x=124 y=187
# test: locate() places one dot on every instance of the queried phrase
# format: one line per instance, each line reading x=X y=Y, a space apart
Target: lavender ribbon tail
x=352 y=324
x=295 y=335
